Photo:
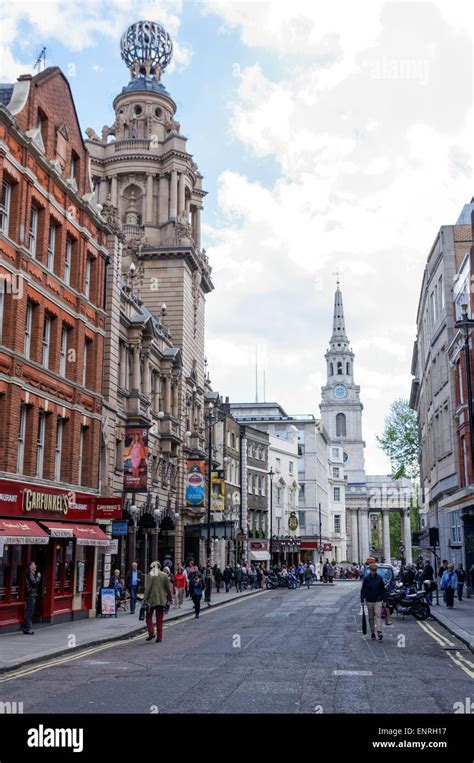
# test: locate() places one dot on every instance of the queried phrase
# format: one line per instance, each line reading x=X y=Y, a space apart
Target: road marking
x=352 y=673
x=460 y=664
x=459 y=659
x=434 y=635
x=440 y=635
x=64 y=659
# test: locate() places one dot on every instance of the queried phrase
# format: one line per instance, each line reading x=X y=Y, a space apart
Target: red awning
x=22 y=532
x=85 y=535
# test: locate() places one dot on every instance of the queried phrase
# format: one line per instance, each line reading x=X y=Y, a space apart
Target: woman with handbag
x=157 y=596
x=198 y=587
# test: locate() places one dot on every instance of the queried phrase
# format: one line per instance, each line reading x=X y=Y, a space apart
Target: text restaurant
x=63 y=533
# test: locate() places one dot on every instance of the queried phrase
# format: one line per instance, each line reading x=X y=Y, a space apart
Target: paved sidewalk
x=459 y=621
x=16 y=649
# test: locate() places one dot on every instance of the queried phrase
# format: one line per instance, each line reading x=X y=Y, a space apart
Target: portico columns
x=386 y=536
x=406 y=529
x=364 y=534
x=354 y=537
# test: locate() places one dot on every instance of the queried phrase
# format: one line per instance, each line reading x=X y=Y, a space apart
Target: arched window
x=339 y=368
x=348 y=369
x=331 y=369
x=341 y=425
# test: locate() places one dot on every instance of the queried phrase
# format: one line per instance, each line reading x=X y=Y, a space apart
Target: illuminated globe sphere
x=146 y=48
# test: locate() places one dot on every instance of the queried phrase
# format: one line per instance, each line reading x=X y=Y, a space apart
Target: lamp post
x=465 y=324
x=271 y=474
x=320 y=537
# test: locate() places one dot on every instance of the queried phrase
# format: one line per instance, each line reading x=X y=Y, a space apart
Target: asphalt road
x=279 y=652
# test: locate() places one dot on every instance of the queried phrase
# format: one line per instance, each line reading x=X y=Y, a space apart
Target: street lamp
x=271 y=474
x=465 y=324
x=320 y=537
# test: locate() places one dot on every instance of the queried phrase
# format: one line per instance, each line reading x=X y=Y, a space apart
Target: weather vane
x=338 y=275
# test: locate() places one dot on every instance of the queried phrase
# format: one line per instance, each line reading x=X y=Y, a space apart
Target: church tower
x=341 y=408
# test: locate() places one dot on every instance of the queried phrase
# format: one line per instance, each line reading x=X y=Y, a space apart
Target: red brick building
x=52 y=323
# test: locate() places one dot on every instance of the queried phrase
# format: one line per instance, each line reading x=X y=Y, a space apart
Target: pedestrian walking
x=373 y=593
x=198 y=586
x=217 y=574
x=308 y=576
x=330 y=573
x=179 y=587
x=133 y=581
x=157 y=596
x=33 y=582
x=207 y=575
x=449 y=584
x=461 y=575
x=227 y=575
x=441 y=572
x=238 y=578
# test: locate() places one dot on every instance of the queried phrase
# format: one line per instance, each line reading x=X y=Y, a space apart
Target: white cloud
x=79 y=25
x=371 y=131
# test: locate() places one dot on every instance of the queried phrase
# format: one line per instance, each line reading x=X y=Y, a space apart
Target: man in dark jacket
x=32 y=591
x=227 y=578
x=373 y=593
x=133 y=583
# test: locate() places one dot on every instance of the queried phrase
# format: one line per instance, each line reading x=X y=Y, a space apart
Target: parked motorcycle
x=278 y=581
x=406 y=603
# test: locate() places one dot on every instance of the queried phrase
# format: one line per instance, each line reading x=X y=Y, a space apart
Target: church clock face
x=340 y=392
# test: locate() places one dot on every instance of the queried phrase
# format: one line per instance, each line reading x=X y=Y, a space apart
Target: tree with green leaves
x=399 y=440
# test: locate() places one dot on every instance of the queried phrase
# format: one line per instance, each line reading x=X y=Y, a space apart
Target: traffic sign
x=401 y=548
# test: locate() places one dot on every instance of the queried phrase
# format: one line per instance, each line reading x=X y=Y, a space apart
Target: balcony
x=133 y=231
x=131 y=144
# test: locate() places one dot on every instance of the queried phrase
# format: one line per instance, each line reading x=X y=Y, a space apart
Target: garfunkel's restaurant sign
x=58 y=503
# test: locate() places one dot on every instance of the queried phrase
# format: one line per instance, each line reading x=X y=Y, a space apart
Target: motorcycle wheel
x=270 y=586
x=422 y=611
x=290 y=585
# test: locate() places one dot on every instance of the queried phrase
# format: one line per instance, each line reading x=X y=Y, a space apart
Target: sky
x=330 y=135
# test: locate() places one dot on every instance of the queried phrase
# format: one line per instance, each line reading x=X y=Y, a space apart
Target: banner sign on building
x=135 y=460
x=217 y=494
x=195 y=483
x=120 y=528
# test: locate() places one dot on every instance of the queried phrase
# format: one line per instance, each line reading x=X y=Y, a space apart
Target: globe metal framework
x=146 y=48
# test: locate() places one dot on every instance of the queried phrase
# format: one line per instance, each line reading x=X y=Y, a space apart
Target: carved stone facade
x=145 y=178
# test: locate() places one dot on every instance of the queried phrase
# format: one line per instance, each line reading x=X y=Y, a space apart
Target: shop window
x=11 y=574
x=64 y=568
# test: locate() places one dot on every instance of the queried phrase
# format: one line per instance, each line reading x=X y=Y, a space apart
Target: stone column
x=136 y=367
x=407 y=536
x=153 y=544
x=163 y=199
x=181 y=196
x=146 y=375
x=175 y=399
x=114 y=191
x=386 y=536
x=173 y=194
x=167 y=402
x=354 y=537
x=123 y=365
x=149 y=198
x=197 y=228
x=364 y=534
x=104 y=189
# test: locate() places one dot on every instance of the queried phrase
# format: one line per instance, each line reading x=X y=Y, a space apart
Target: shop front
x=259 y=553
x=57 y=530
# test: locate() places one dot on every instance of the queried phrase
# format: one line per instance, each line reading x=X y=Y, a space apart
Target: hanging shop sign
x=120 y=528
x=108 y=508
x=293 y=522
x=217 y=494
x=195 y=492
x=135 y=460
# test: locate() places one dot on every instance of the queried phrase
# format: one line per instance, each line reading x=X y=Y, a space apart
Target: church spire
x=339 y=335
